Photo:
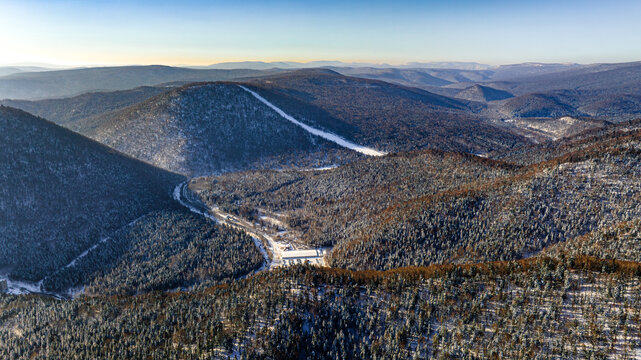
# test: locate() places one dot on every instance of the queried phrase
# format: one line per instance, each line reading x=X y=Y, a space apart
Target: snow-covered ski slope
x=325 y=135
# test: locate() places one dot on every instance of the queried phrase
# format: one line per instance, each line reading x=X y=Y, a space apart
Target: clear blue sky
x=204 y=32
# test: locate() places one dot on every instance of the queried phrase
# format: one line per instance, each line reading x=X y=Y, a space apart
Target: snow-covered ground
x=21 y=287
x=322 y=168
x=325 y=135
x=24 y=287
x=314 y=256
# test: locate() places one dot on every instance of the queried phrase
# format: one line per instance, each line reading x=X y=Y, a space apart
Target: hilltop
x=483 y=93
x=207 y=128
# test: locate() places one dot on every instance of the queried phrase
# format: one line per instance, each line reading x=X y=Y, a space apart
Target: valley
x=324 y=180
x=278 y=246
x=337 y=212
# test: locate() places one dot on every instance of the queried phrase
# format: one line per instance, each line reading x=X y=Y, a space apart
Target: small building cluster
x=313 y=256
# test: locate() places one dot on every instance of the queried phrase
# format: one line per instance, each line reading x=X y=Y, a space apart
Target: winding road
x=186 y=199
x=276 y=254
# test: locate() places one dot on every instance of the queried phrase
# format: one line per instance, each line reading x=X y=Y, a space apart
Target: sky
x=198 y=32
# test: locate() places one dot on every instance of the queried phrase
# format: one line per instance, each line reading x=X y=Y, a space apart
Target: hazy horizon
x=456 y=64
x=198 y=33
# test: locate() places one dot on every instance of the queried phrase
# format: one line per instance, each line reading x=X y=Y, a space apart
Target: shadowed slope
x=60 y=193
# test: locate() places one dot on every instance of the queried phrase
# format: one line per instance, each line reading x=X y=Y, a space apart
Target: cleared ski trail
x=325 y=135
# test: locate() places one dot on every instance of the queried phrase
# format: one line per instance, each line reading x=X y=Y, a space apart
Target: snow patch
x=21 y=287
x=323 y=168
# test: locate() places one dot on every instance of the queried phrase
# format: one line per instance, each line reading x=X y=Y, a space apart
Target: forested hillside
x=208 y=128
x=546 y=130
x=60 y=193
x=579 y=308
x=621 y=241
x=540 y=105
x=431 y=207
x=509 y=218
x=332 y=205
x=610 y=105
x=483 y=94
x=382 y=115
x=598 y=136
x=163 y=250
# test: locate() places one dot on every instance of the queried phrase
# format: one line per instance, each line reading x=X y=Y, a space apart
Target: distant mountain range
x=387 y=109
x=620 y=77
x=261 y=65
x=207 y=128
x=41 y=83
x=64 y=83
x=8 y=70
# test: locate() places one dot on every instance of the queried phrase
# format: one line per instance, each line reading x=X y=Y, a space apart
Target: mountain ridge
x=61 y=192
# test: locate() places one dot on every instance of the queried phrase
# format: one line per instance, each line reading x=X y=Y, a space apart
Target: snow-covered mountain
x=60 y=193
x=207 y=128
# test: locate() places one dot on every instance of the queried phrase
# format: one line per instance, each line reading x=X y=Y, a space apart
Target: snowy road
x=325 y=135
x=182 y=196
x=275 y=253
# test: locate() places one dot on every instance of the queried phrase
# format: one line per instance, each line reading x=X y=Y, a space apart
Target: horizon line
x=67 y=66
